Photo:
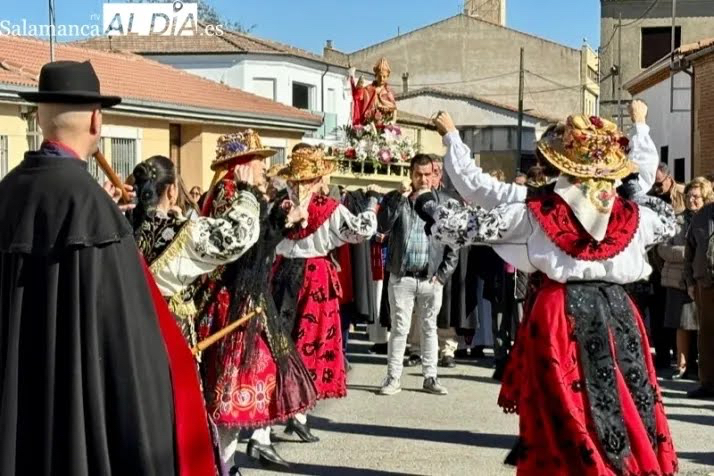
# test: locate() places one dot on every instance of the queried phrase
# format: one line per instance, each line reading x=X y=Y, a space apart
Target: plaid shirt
x=417 y=253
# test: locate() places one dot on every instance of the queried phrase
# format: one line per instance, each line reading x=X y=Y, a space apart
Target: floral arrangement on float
x=378 y=144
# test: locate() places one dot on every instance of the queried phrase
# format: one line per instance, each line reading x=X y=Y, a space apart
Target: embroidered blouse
x=339 y=228
x=180 y=250
x=479 y=188
x=544 y=235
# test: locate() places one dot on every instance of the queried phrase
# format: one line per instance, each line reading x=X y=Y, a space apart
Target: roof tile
x=134 y=77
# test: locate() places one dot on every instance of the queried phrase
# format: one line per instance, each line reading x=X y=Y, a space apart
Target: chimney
x=405 y=83
x=493 y=11
x=328 y=45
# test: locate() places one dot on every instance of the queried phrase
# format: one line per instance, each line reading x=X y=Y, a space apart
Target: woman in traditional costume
x=253 y=377
x=179 y=250
x=587 y=394
x=305 y=282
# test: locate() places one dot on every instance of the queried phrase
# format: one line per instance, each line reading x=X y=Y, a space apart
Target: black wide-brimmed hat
x=69 y=82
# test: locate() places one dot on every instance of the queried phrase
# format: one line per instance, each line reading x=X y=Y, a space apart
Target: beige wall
x=198 y=147
x=154 y=133
x=14 y=127
x=453 y=53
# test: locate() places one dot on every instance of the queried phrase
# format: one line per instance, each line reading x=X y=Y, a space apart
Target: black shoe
x=701 y=393
x=477 y=352
x=234 y=471
x=463 y=354
x=412 y=361
x=379 y=349
x=266 y=454
x=447 y=361
x=498 y=373
x=679 y=374
x=244 y=434
x=301 y=430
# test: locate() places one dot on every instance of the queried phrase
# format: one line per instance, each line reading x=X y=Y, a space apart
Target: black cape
x=84 y=377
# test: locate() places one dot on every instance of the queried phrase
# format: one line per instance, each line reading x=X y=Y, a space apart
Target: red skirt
x=317 y=332
x=545 y=384
x=255 y=395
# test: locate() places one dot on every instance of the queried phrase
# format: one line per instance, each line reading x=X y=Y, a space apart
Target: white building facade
x=320 y=88
x=669 y=102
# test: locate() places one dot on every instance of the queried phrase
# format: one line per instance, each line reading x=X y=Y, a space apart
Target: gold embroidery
x=174 y=250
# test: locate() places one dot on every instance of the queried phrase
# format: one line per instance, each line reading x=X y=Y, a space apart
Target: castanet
x=213 y=338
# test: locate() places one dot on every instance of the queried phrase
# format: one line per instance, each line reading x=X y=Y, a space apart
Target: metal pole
x=52 y=27
x=671 y=60
x=619 y=73
x=519 y=134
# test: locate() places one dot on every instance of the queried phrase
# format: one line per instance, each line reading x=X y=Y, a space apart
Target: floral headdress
x=589 y=147
x=231 y=148
x=307 y=163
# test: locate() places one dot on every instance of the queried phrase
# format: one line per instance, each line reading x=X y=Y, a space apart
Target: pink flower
x=597 y=122
x=385 y=156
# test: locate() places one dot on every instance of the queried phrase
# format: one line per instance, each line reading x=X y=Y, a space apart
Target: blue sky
x=350 y=24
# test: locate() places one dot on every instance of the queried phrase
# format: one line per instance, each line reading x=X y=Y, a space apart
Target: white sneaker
x=432 y=385
x=391 y=386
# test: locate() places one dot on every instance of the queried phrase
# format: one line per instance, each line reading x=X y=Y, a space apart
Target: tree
x=207 y=13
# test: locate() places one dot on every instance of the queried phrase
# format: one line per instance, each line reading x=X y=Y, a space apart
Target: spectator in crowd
x=418 y=269
x=699 y=276
x=680 y=310
x=650 y=295
x=521 y=178
x=448 y=343
x=667 y=189
x=186 y=204
x=195 y=194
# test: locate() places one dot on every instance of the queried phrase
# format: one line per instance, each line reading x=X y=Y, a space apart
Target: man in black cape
x=90 y=380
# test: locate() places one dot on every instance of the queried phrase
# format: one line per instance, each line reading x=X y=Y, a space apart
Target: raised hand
x=638 y=111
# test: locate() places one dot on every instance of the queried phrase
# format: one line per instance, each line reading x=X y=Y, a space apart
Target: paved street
x=462 y=433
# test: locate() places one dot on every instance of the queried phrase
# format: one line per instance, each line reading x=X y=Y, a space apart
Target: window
x=264 y=87
x=331 y=101
x=679 y=170
x=301 y=95
x=279 y=157
x=123 y=158
x=34 y=133
x=3 y=156
x=592 y=75
x=657 y=43
x=664 y=154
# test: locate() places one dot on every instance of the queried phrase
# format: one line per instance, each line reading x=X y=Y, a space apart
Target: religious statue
x=375 y=102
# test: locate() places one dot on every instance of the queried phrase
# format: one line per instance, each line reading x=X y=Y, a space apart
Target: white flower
x=168 y=234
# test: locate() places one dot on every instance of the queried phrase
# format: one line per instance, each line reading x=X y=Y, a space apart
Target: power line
x=546 y=79
x=476 y=80
x=614 y=30
x=642 y=17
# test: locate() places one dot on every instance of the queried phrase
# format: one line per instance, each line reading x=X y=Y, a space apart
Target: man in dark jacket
x=418 y=268
x=699 y=276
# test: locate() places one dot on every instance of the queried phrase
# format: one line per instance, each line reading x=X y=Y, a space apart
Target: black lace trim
x=599 y=311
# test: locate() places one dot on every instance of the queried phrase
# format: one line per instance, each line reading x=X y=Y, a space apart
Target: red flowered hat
x=589 y=147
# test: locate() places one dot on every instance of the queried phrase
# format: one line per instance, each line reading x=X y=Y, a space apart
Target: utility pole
x=619 y=73
x=671 y=60
x=519 y=134
x=52 y=29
